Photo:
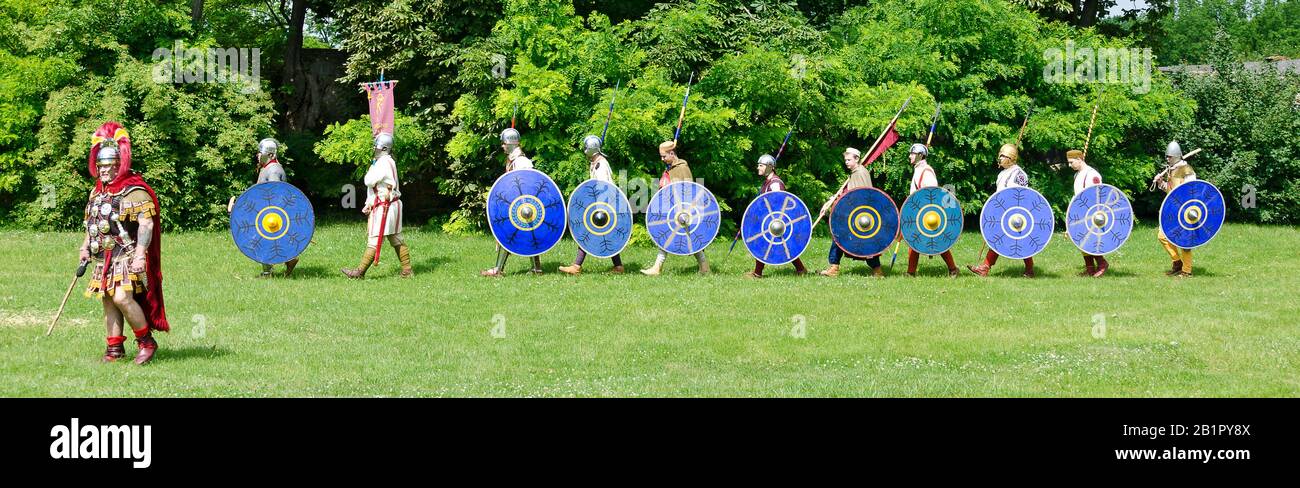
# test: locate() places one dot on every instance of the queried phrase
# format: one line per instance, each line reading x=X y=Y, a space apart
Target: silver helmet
x=383 y=143
x=590 y=145
x=919 y=148
x=510 y=137
x=267 y=149
x=107 y=155
x=767 y=160
x=1174 y=150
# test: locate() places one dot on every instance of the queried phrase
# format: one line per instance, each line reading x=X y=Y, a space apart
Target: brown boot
x=832 y=271
x=1102 y=266
x=367 y=259
x=115 y=349
x=1029 y=267
x=404 y=255
x=147 y=348
x=954 y=272
x=877 y=272
x=617 y=269
x=1178 y=269
x=752 y=275
x=571 y=269
x=1089 y=266
x=981 y=270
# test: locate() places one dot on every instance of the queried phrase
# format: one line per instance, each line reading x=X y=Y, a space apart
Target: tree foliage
x=192 y=141
x=1246 y=123
x=842 y=84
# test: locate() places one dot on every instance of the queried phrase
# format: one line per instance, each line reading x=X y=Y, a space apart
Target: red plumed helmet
x=111 y=133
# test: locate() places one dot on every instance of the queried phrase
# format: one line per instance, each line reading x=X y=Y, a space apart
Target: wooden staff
x=81 y=270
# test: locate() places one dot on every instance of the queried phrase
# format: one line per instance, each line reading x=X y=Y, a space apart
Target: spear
x=787 y=136
x=611 y=112
x=1023 y=125
x=933 y=123
x=1091 y=123
x=682 y=117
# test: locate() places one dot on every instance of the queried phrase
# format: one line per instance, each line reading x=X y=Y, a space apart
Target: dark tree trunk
x=196 y=13
x=294 y=77
x=1088 y=14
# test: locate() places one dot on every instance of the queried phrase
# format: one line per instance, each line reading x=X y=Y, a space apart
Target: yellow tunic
x=1179 y=174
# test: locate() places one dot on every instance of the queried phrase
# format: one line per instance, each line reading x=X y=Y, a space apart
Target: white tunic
x=517 y=160
x=1012 y=177
x=923 y=177
x=1086 y=177
x=382 y=186
x=600 y=169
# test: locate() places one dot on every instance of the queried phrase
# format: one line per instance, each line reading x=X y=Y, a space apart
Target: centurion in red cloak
x=152 y=299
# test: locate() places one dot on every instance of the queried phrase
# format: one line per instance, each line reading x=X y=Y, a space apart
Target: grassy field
x=1233 y=330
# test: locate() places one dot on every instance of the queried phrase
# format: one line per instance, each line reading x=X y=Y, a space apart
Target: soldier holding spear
x=859 y=177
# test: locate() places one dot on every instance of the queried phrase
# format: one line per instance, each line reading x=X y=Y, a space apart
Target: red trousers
x=913 y=257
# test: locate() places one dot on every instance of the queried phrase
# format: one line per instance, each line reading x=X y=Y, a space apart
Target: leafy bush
x=1246 y=124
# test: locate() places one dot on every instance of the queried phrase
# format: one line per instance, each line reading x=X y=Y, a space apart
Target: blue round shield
x=682 y=218
x=776 y=227
x=931 y=220
x=1192 y=214
x=1099 y=219
x=272 y=222
x=600 y=218
x=526 y=212
x=864 y=222
x=1017 y=222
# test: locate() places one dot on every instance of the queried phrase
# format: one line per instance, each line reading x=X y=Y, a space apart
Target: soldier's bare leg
x=134 y=315
x=113 y=322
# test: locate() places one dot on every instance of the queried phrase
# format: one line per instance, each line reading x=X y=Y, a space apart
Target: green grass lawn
x=1233 y=330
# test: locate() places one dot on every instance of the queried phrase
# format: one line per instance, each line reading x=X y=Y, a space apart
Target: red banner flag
x=380 y=97
x=891 y=137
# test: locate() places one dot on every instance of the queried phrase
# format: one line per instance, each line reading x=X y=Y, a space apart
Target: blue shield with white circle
x=526 y=212
x=1192 y=214
x=1099 y=220
x=776 y=227
x=1017 y=222
x=683 y=218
